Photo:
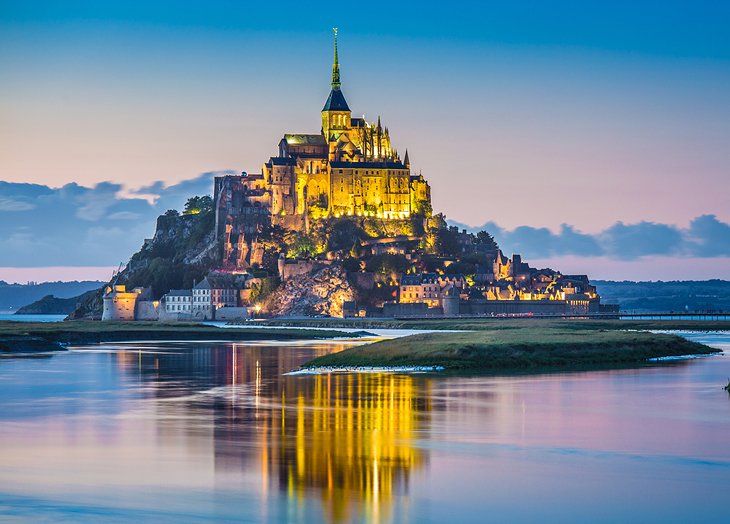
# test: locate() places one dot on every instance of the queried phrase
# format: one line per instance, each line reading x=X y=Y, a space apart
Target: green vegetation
x=260 y=292
x=45 y=336
x=500 y=323
x=198 y=204
x=533 y=348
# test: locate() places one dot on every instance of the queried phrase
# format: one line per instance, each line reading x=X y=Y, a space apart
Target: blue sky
x=520 y=114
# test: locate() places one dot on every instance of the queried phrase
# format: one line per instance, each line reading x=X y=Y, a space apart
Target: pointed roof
x=336 y=101
x=406 y=160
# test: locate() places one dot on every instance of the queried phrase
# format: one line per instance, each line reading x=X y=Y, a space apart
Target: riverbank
x=500 y=323
x=530 y=347
x=22 y=337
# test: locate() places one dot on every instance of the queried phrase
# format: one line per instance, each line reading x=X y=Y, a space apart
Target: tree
x=485 y=239
x=198 y=204
x=172 y=213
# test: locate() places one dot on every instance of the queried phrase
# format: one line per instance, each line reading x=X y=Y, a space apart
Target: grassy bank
x=30 y=336
x=513 y=349
x=487 y=323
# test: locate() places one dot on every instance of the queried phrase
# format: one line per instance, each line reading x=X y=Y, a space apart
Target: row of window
x=178 y=307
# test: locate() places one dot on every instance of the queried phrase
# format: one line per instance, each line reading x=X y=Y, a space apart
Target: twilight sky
x=610 y=117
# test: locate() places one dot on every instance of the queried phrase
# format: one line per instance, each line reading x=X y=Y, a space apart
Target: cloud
x=629 y=241
x=124 y=215
x=709 y=236
x=8 y=204
x=705 y=237
x=73 y=225
x=105 y=224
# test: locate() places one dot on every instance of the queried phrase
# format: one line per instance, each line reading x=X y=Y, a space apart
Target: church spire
x=336 y=66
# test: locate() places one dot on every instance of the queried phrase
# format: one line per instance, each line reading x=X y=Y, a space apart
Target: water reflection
x=347 y=438
x=199 y=432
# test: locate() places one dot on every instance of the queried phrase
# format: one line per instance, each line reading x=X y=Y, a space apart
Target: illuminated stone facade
x=349 y=168
x=120 y=304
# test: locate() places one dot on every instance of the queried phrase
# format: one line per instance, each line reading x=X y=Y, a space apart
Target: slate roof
x=336 y=102
x=417 y=280
x=217 y=281
x=282 y=161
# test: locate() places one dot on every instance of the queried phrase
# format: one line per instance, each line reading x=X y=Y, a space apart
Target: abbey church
x=349 y=168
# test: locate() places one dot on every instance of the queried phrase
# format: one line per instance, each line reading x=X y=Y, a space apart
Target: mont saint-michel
x=335 y=224
x=420 y=271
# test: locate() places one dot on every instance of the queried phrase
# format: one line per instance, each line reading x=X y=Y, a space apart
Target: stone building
x=178 y=304
x=215 y=291
x=120 y=304
x=349 y=168
x=428 y=288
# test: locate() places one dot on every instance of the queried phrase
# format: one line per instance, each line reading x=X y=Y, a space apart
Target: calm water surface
x=5 y=315
x=190 y=432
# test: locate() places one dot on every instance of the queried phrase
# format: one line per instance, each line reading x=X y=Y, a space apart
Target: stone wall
x=147 y=310
x=231 y=313
x=416 y=309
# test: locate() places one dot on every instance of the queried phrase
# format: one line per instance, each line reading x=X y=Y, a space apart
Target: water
x=31 y=318
x=191 y=432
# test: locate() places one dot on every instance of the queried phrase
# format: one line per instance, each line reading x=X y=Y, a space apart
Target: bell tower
x=335 y=113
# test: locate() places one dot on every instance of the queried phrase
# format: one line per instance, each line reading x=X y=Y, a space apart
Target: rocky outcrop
x=320 y=293
x=52 y=305
x=182 y=251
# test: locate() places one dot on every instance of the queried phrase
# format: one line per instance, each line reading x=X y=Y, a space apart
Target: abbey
x=349 y=168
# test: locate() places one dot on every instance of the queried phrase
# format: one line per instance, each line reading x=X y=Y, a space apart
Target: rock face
x=320 y=293
x=182 y=251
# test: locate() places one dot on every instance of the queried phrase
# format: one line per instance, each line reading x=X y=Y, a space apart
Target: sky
x=594 y=135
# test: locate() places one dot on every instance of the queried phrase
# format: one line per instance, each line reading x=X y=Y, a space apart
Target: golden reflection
x=351 y=438
x=345 y=439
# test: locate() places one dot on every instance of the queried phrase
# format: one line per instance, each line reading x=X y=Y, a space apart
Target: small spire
x=336 y=66
x=406 y=160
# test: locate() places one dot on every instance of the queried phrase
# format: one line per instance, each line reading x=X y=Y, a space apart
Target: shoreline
x=29 y=337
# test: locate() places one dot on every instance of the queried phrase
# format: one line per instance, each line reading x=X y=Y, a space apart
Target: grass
x=540 y=346
x=44 y=336
x=473 y=324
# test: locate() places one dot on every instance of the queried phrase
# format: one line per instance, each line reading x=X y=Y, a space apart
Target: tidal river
x=192 y=432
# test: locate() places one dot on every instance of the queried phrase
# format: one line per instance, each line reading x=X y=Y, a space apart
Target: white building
x=178 y=301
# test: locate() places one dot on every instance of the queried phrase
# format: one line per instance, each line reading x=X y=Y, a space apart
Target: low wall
x=174 y=316
x=512 y=307
x=231 y=313
x=420 y=309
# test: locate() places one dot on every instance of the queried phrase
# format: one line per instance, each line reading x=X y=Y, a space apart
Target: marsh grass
x=499 y=323
x=528 y=347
